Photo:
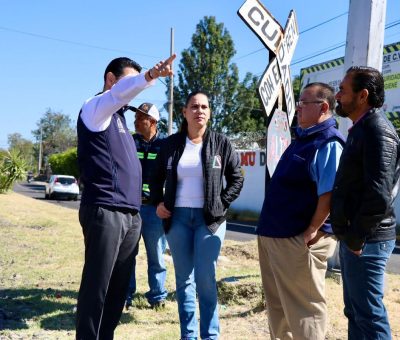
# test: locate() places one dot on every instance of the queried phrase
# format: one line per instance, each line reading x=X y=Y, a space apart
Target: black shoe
x=159 y=305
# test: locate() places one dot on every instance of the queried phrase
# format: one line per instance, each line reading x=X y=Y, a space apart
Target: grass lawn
x=41 y=258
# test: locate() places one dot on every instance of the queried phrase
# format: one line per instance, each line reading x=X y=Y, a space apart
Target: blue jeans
x=195 y=252
x=155 y=243
x=363 y=278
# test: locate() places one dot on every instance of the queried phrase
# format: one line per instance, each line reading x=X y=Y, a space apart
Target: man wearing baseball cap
x=148 y=143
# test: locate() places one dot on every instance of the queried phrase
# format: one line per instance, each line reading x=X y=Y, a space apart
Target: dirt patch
x=36 y=227
x=240 y=291
x=249 y=251
x=5 y=223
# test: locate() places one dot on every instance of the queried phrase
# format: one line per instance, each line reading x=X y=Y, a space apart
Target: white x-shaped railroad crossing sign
x=280 y=42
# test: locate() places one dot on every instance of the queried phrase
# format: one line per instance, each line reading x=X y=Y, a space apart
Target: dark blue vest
x=109 y=167
x=291 y=196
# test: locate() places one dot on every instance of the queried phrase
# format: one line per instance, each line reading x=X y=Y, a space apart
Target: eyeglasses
x=303 y=103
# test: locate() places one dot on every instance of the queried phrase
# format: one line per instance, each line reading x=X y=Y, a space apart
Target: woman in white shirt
x=193 y=165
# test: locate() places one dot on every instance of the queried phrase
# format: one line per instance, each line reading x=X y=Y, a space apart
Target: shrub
x=12 y=168
x=65 y=163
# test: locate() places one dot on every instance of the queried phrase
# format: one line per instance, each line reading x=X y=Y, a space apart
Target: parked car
x=29 y=176
x=62 y=186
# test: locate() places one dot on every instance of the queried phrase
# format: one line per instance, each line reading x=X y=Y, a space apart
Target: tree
x=162 y=126
x=246 y=114
x=56 y=133
x=206 y=66
x=296 y=83
x=12 y=169
x=22 y=146
x=65 y=163
x=3 y=153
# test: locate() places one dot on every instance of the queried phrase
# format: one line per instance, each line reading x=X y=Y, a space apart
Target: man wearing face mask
x=294 y=236
x=362 y=210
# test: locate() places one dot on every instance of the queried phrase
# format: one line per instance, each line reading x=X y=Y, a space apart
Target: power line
x=318 y=54
x=329 y=49
x=249 y=54
x=394 y=23
x=323 y=23
x=74 y=42
x=80 y=44
x=325 y=50
x=315 y=54
x=332 y=48
x=304 y=31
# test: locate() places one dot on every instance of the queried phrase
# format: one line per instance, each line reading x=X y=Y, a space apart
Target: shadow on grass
x=140 y=301
x=19 y=306
x=257 y=309
x=238 y=278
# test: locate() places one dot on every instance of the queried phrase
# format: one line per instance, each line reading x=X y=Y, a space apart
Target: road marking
x=242 y=225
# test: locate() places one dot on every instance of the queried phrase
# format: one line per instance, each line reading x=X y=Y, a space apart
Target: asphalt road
x=36 y=191
x=235 y=230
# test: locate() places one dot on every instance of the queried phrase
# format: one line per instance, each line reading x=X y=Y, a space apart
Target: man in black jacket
x=362 y=212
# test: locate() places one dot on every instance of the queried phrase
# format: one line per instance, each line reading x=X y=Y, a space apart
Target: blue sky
x=53 y=53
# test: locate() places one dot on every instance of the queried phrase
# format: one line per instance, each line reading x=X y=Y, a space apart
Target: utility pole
x=365 y=38
x=171 y=88
x=364 y=47
x=40 y=150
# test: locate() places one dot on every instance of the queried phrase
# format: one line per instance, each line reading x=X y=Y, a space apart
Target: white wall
x=252 y=195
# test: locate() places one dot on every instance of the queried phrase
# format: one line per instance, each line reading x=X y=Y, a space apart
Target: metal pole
x=171 y=89
x=365 y=38
x=40 y=150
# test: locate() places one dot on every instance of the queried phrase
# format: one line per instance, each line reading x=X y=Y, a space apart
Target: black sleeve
x=233 y=175
x=380 y=156
x=158 y=176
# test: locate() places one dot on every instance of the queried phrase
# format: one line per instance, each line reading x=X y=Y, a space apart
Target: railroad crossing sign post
x=276 y=78
x=278 y=139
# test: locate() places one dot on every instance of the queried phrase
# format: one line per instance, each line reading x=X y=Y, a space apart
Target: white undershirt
x=97 y=111
x=190 y=188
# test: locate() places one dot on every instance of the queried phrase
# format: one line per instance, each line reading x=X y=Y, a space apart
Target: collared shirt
x=324 y=164
x=97 y=111
x=356 y=121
